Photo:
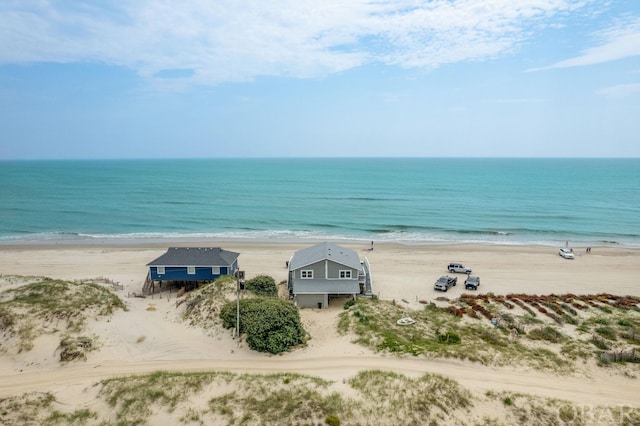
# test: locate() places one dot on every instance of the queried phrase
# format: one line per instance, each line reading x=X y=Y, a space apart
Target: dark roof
x=195 y=256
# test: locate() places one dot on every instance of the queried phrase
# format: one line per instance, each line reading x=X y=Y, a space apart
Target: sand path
x=587 y=391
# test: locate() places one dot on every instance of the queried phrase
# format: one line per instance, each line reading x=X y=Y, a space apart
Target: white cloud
x=620 y=41
x=620 y=91
x=227 y=40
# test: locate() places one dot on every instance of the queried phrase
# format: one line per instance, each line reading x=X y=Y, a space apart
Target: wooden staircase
x=148 y=286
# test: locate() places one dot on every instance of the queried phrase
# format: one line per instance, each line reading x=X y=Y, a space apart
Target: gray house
x=316 y=273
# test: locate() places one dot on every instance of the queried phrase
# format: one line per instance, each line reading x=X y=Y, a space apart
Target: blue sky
x=298 y=78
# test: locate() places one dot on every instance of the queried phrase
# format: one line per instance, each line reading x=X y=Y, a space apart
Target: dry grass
x=202 y=306
x=371 y=397
x=530 y=329
x=34 y=306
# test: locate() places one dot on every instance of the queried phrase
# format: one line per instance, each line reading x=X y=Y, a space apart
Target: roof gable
x=325 y=251
x=195 y=256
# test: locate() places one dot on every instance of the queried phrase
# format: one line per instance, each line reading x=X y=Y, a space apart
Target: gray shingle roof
x=322 y=251
x=195 y=256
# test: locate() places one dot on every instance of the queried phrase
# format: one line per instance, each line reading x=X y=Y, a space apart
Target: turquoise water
x=415 y=201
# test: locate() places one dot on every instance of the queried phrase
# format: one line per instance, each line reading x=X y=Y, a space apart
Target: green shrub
x=607 y=333
x=7 y=318
x=332 y=420
x=549 y=334
x=600 y=343
x=625 y=323
x=262 y=285
x=492 y=337
x=349 y=303
x=449 y=338
x=271 y=325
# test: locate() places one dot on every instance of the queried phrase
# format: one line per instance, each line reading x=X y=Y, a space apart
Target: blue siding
x=179 y=273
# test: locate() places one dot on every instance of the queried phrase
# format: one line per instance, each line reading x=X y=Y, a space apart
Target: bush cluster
x=262 y=285
x=270 y=324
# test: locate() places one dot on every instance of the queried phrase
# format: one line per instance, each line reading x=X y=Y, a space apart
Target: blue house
x=192 y=265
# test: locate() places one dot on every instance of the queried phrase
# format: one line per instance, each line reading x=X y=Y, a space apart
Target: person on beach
x=371 y=249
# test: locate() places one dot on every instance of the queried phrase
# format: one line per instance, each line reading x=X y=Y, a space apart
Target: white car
x=567 y=253
x=458 y=267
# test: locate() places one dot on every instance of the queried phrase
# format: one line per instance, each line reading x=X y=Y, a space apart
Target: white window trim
x=345 y=274
x=215 y=270
x=160 y=270
x=306 y=274
x=191 y=270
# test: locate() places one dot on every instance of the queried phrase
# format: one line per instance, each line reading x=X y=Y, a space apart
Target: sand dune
x=150 y=336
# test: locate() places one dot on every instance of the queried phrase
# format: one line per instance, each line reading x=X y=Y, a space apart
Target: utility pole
x=239 y=286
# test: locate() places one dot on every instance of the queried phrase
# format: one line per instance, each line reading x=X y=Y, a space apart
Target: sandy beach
x=144 y=340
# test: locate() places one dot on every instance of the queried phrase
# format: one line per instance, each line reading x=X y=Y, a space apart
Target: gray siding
x=334 y=269
x=317 y=268
x=311 y=300
x=326 y=286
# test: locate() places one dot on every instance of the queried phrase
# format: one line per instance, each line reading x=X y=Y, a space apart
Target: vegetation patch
x=262 y=285
x=47 y=306
x=77 y=417
x=133 y=398
x=500 y=330
x=548 y=333
x=429 y=398
x=271 y=325
x=73 y=348
x=290 y=399
x=532 y=410
x=371 y=397
x=376 y=397
x=202 y=306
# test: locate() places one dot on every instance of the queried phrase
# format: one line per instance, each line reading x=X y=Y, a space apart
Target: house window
x=191 y=270
x=345 y=274
x=215 y=270
x=160 y=270
x=306 y=274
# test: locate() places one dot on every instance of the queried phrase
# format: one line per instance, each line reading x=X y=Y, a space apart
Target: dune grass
x=371 y=397
x=47 y=306
x=523 y=337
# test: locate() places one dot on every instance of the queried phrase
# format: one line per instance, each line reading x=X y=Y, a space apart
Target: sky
x=324 y=78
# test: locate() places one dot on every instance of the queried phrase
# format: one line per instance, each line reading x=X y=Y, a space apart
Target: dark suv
x=445 y=282
x=472 y=282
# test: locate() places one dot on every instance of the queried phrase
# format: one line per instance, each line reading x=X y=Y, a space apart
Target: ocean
x=588 y=202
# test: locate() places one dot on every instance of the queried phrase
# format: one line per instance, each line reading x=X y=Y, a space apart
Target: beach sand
x=150 y=336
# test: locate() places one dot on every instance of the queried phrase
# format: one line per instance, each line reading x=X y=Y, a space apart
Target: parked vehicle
x=445 y=282
x=458 y=267
x=567 y=253
x=472 y=282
